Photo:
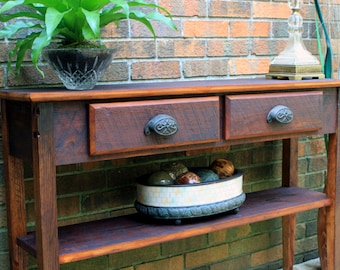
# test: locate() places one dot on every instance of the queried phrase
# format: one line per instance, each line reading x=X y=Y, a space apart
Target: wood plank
x=290 y=162
x=124 y=233
x=83 y=241
x=18 y=116
x=289 y=179
x=197 y=121
x=45 y=190
x=72 y=134
x=288 y=240
x=147 y=90
x=247 y=114
x=330 y=216
x=15 y=197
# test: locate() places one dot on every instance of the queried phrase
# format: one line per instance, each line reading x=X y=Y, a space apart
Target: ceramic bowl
x=190 y=200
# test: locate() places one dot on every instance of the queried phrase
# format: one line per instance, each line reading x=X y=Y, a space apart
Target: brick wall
x=216 y=39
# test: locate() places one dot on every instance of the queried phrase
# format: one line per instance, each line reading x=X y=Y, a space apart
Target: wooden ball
x=223 y=167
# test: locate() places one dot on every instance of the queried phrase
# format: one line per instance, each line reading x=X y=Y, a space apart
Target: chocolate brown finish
x=49 y=127
x=119 y=234
x=15 y=197
x=166 y=89
x=246 y=115
x=119 y=126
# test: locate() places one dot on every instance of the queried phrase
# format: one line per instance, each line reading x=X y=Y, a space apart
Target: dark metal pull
x=281 y=114
x=161 y=124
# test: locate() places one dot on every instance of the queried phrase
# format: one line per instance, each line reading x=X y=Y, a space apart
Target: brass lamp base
x=295 y=62
x=295 y=72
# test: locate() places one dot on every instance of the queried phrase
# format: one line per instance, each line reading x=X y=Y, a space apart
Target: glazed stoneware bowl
x=190 y=200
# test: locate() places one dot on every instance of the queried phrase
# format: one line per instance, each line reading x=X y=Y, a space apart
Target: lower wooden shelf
x=97 y=238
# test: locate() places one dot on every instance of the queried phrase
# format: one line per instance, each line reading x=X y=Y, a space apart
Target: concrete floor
x=309 y=265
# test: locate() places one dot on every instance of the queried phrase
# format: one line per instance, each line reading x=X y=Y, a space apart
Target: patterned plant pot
x=79 y=69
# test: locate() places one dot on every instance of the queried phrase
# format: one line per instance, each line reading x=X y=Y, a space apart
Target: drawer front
x=123 y=126
x=246 y=115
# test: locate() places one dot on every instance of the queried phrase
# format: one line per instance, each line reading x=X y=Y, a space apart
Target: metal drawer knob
x=161 y=124
x=281 y=114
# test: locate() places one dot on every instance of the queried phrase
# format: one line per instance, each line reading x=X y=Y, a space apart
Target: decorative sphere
x=188 y=178
x=160 y=178
x=223 y=167
x=207 y=175
x=174 y=169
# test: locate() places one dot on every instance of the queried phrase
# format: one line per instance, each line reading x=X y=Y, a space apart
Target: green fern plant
x=73 y=22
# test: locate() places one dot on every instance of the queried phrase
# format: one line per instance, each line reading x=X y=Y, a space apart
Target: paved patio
x=309 y=265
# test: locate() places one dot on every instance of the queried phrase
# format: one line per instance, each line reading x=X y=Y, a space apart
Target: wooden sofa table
x=45 y=128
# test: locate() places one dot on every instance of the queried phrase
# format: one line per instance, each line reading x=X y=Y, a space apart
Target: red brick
x=132 y=257
x=201 y=257
x=201 y=68
x=181 y=48
x=183 y=245
x=187 y=8
x=30 y=76
x=3 y=218
x=2 y=77
x=68 y=184
x=205 y=28
x=270 y=10
x=268 y=255
x=69 y=206
x=238 y=9
x=247 y=66
x=155 y=70
x=317 y=147
x=217 y=237
x=249 y=29
x=117 y=71
x=238 y=263
x=91 y=165
x=133 y=49
x=174 y=263
x=226 y=47
x=249 y=245
x=95 y=202
x=2 y=195
x=265 y=47
x=112 y=31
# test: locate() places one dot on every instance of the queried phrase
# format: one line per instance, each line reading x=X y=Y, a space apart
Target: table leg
x=44 y=173
x=289 y=178
x=15 y=199
x=288 y=240
x=16 y=213
x=327 y=222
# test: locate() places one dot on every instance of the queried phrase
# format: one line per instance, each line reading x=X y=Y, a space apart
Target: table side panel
x=329 y=113
x=20 y=129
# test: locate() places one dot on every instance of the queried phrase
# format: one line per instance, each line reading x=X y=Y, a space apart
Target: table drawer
x=274 y=113
x=137 y=125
